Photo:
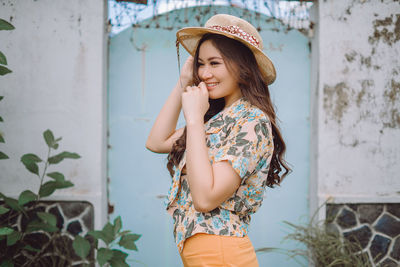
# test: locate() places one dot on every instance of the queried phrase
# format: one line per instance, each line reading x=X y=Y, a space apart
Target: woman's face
x=214 y=72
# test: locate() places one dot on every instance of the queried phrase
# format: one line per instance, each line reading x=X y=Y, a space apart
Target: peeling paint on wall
x=350 y=57
x=336 y=100
x=391 y=115
x=359 y=113
x=340 y=97
x=365 y=93
x=362 y=60
x=393 y=93
x=386 y=30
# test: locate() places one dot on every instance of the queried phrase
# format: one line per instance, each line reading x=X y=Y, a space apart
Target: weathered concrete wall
x=357 y=156
x=58 y=56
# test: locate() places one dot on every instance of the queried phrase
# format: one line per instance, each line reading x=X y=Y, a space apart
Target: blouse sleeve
x=245 y=145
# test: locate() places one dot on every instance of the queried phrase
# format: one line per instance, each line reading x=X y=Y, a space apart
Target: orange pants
x=204 y=250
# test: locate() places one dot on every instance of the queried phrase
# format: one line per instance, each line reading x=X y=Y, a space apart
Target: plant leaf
x=64 y=184
x=118 y=263
x=31 y=157
x=124 y=232
x=128 y=241
x=1 y=138
x=13 y=203
x=38 y=225
x=47 y=218
x=104 y=255
x=118 y=259
x=4 y=70
x=81 y=246
x=6 y=263
x=3 y=59
x=29 y=160
x=13 y=238
x=117 y=225
x=49 y=138
x=108 y=233
x=3 y=156
x=63 y=155
x=6 y=231
x=29 y=248
x=47 y=189
x=267 y=249
x=5 y=25
x=3 y=210
x=26 y=197
x=1 y=98
x=96 y=234
x=32 y=167
x=59 y=177
x=1 y=119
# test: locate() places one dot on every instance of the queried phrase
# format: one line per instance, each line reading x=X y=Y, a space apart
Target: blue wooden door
x=142 y=71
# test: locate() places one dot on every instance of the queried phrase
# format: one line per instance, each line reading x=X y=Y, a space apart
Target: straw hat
x=235 y=28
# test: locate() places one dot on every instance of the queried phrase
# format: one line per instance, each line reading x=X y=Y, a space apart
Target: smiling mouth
x=211 y=85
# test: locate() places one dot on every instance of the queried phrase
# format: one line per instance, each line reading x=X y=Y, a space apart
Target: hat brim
x=190 y=36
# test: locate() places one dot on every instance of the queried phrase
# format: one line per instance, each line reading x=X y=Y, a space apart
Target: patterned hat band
x=235 y=30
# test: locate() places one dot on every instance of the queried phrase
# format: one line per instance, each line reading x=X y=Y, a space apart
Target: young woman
x=230 y=148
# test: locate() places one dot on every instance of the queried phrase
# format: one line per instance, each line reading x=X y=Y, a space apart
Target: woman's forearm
x=165 y=124
x=198 y=166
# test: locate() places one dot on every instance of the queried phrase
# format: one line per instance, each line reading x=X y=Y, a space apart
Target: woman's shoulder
x=251 y=112
x=240 y=113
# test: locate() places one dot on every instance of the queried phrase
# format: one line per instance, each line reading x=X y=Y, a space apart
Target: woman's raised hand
x=195 y=103
x=187 y=72
x=163 y=134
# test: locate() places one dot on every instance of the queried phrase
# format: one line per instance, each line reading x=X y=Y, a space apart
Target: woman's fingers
x=203 y=88
x=191 y=88
x=187 y=71
x=194 y=104
x=189 y=61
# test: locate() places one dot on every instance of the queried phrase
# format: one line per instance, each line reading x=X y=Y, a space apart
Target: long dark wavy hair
x=240 y=60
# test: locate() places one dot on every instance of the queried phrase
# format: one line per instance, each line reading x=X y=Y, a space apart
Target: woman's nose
x=205 y=73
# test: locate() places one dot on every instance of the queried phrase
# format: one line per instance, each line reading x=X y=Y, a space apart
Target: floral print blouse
x=240 y=134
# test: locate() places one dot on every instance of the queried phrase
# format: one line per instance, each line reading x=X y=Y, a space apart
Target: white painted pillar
x=58 y=55
x=356 y=104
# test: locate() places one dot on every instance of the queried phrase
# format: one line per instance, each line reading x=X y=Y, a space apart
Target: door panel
x=142 y=71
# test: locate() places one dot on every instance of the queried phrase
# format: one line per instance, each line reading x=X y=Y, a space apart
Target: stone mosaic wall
x=73 y=218
x=375 y=226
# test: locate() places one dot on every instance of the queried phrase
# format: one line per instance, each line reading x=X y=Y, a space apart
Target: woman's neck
x=229 y=100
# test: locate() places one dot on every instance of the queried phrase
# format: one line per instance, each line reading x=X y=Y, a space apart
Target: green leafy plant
x=4 y=26
x=18 y=248
x=323 y=248
x=16 y=245
x=112 y=236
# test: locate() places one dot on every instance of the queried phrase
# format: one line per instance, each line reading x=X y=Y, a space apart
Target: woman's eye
x=199 y=64
x=214 y=63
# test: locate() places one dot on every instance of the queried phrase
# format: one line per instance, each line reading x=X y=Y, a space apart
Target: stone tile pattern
x=375 y=226
x=73 y=218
